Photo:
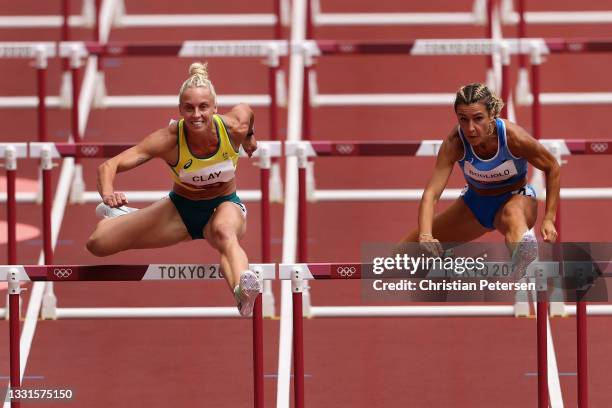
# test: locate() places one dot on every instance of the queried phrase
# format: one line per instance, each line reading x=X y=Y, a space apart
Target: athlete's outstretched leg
x=454 y=224
x=158 y=225
x=515 y=221
x=224 y=231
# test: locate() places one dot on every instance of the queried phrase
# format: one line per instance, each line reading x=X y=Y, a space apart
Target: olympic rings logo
x=114 y=50
x=89 y=150
x=345 y=148
x=346 y=271
x=575 y=46
x=599 y=147
x=347 y=48
x=62 y=273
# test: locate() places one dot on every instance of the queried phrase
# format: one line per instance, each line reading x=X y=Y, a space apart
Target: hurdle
x=535 y=48
x=39 y=52
x=61 y=20
x=274 y=19
x=11 y=153
x=483 y=13
x=520 y=16
x=47 y=152
x=430 y=148
x=89 y=16
x=75 y=51
x=272 y=50
x=159 y=272
x=298 y=274
x=305 y=150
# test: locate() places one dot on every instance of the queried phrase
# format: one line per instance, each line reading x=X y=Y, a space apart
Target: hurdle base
x=48 y=309
x=146 y=312
x=412 y=311
x=592 y=310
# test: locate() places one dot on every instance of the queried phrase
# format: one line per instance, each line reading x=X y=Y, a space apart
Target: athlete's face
x=197 y=107
x=475 y=122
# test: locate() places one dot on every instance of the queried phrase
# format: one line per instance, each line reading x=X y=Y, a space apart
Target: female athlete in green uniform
x=201 y=151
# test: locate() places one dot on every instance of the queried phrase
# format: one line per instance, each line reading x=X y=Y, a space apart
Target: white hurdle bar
x=323 y=195
x=131 y=101
x=88 y=15
x=510 y=16
x=84 y=20
x=478 y=15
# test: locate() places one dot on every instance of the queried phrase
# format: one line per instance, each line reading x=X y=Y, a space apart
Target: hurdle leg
x=298 y=340
x=582 y=350
x=258 y=375
x=14 y=290
x=542 y=350
x=10 y=163
x=265 y=163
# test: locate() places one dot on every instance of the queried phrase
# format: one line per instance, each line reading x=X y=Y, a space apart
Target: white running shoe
x=247 y=292
x=105 y=211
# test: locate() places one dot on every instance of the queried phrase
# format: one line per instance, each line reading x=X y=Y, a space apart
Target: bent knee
x=98 y=247
x=511 y=219
x=223 y=234
x=512 y=214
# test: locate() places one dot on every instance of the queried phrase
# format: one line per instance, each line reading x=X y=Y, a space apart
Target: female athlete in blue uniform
x=201 y=151
x=493 y=154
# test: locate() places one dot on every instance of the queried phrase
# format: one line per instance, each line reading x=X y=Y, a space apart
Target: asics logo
x=62 y=273
x=188 y=164
x=346 y=271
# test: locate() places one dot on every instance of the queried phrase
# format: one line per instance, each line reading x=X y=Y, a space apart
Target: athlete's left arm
x=240 y=122
x=522 y=144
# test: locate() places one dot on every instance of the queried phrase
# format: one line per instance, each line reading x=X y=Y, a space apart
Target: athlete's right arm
x=451 y=150
x=157 y=144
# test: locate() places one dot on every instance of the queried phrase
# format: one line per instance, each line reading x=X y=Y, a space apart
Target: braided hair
x=479 y=93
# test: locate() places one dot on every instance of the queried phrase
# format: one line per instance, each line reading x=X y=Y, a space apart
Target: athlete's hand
x=548 y=230
x=431 y=245
x=249 y=145
x=114 y=200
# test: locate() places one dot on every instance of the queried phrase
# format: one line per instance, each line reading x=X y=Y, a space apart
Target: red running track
x=379 y=362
